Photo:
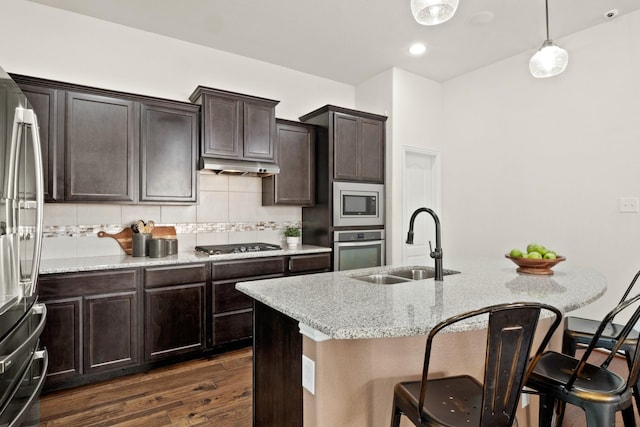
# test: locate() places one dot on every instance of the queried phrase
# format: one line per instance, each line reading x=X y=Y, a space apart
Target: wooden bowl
x=535 y=266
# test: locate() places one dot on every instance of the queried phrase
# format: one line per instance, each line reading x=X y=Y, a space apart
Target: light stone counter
x=71 y=265
x=342 y=307
x=359 y=339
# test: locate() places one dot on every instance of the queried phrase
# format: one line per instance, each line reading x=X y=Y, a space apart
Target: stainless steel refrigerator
x=22 y=364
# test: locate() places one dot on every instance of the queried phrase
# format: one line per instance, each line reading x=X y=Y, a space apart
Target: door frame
x=436 y=185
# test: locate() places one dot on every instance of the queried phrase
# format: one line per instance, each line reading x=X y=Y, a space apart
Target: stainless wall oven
x=357 y=204
x=354 y=249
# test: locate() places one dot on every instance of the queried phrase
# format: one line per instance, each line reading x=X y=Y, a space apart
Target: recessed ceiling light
x=482 y=17
x=417 y=49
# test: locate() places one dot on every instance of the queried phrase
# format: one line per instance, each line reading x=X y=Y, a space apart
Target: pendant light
x=433 y=12
x=551 y=59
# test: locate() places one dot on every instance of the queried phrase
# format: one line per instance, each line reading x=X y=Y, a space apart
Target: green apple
x=534 y=255
x=516 y=253
x=550 y=255
x=531 y=247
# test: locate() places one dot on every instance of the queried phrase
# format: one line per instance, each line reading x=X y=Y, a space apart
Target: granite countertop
x=342 y=307
x=71 y=265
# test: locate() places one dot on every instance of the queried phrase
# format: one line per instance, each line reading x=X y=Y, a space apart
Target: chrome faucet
x=434 y=253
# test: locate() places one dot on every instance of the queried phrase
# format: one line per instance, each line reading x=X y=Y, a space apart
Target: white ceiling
x=352 y=40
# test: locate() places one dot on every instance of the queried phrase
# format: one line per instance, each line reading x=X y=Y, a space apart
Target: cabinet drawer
x=227 y=298
x=171 y=276
x=232 y=327
x=316 y=262
x=244 y=268
x=78 y=284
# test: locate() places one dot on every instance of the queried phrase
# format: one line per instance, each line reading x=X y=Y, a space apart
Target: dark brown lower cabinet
x=174 y=311
x=92 y=324
x=62 y=338
x=110 y=323
x=233 y=310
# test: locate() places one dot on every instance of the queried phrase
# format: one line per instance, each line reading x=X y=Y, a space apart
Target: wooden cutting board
x=125 y=237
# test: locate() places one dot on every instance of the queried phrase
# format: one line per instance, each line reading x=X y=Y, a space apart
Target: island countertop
x=342 y=307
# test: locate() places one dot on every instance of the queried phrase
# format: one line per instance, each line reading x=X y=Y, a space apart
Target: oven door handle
x=364 y=243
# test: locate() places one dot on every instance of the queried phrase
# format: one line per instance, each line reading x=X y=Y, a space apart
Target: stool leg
x=629 y=417
x=636 y=392
x=395 y=415
x=600 y=416
x=545 y=412
x=569 y=345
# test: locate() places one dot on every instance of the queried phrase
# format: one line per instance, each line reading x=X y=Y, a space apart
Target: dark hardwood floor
x=203 y=392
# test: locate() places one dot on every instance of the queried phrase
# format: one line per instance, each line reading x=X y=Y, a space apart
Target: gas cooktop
x=237 y=248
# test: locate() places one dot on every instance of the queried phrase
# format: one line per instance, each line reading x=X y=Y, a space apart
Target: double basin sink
x=402 y=275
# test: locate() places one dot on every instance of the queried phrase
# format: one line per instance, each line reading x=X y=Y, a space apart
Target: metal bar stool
x=464 y=401
x=560 y=378
x=580 y=331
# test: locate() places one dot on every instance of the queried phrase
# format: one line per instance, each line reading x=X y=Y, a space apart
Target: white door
x=421 y=173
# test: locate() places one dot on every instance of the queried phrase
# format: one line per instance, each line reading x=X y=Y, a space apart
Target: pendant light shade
x=433 y=12
x=551 y=59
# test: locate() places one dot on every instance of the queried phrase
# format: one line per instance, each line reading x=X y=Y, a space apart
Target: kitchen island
x=362 y=337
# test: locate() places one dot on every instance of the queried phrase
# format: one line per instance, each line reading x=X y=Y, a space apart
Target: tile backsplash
x=229 y=210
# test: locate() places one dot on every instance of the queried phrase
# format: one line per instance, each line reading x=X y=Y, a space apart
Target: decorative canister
x=140 y=244
x=171 y=246
x=157 y=248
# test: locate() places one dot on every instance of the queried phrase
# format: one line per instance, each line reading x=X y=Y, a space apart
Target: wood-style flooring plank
x=215 y=391
x=205 y=392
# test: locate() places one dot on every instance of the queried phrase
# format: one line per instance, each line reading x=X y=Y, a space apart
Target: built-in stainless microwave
x=357 y=203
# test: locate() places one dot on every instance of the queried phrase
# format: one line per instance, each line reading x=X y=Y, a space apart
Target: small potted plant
x=293 y=236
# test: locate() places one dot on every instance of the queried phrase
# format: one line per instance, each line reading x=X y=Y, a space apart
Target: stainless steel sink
x=402 y=276
x=382 y=279
x=414 y=274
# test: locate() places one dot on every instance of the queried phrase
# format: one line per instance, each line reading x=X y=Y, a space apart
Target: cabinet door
x=111 y=331
x=101 y=135
x=231 y=327
x=371 y=150
x=62 y=339
x=295 y=184
x=259 y=122
x=222 y=127
x=44 y=102
x=168 y=154
x=174 y=320
x=345 y=147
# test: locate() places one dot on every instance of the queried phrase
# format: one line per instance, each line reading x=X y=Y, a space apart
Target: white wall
x=52 y=43
x=414 y=108
x=547 y=160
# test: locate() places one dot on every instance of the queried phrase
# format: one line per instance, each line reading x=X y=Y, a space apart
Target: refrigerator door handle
x=40 y=376
x=29 y=118
x=16 y=135
x=7 y=361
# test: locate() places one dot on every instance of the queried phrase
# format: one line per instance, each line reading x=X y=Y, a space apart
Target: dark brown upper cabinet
x=295 y=184
x=354 y=142
x=101 y=145
x=106 y=146
x=168 y=153
x=236 y=126
x=45 y=103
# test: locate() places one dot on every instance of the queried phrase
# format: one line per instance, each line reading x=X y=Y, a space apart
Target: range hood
x=238 y=167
